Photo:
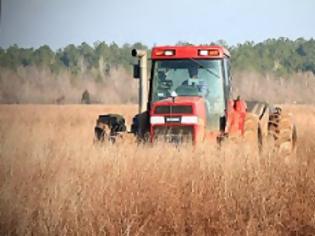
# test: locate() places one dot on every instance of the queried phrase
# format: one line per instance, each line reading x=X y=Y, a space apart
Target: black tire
x=283 y=132
x=99 y=134
x=109 y=127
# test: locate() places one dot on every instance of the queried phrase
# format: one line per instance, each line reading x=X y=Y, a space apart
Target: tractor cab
x=189 y=90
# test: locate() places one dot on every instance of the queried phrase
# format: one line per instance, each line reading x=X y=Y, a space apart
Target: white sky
x=57 y=23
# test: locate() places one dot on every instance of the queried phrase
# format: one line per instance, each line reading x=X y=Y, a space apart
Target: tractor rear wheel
x=283 y=132
x=252 y=135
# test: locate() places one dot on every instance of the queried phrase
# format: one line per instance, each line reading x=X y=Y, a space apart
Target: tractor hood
x=179 y=105
x=183 y=114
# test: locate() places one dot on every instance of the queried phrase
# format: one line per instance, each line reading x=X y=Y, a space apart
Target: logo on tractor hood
x=172 y=119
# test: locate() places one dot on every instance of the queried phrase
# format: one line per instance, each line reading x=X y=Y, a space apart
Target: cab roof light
x=159 y=53
x=203 y=52
x=214 y=52
x=165 y=53
x=209 y=52
x=169 y=52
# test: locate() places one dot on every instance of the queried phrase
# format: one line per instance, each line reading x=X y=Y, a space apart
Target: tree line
x=279 y=56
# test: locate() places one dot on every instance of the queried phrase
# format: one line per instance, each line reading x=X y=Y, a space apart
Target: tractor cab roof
x=182 y=52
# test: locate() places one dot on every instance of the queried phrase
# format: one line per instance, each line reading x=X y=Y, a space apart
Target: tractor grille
x=176 y=109
x=174 y=134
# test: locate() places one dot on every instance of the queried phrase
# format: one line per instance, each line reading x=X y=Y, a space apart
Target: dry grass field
x=54 y=181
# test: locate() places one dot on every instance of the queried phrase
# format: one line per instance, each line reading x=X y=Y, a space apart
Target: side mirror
x=136 y=71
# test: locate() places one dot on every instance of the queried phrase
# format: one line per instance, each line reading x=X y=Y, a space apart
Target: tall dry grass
x=54 y=181
x=35 y=85
x=298 y=88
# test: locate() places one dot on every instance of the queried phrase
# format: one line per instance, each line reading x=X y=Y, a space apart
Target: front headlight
x=189 y=120
x=154 y=120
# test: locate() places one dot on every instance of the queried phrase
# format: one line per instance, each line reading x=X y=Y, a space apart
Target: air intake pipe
x=143 y=83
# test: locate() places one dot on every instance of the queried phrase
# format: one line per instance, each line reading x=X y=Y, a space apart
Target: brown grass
x=296 y=88
x=54 y=181
x=34 y=85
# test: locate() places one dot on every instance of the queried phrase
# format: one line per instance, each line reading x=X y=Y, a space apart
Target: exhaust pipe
x=143 y=83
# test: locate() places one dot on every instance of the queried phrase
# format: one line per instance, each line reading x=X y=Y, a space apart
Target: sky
x=57 y=23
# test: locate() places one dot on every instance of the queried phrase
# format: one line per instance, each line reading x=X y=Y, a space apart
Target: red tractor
x=188 y=98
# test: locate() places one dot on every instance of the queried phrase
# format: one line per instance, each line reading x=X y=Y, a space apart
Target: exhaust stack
x=143 y=83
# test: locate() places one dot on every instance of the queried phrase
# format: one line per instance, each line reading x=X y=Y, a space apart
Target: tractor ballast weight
x=188 y=97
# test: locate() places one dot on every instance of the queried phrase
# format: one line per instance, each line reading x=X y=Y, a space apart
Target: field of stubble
x=54 y=181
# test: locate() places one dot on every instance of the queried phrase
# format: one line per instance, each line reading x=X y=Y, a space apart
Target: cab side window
x=227 y=77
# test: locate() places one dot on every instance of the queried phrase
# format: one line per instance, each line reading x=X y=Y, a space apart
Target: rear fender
x=236 y=116
x=262 y=111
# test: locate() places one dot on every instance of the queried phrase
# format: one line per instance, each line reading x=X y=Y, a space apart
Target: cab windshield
x=191 y=77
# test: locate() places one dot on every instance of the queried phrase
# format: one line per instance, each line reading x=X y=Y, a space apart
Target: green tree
x=70 y=58
x=44 y=56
